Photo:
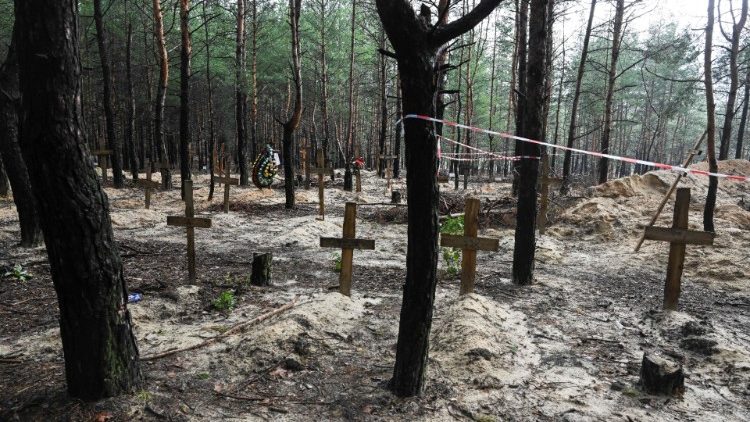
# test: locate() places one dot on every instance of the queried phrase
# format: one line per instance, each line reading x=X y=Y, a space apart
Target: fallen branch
x=227 y=333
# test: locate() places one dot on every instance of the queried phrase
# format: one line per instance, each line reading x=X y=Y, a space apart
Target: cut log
x=396 y=197
x=660 y=375
x=261 y=275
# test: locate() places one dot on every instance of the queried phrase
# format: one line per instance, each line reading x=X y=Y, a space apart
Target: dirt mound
x=480 y=342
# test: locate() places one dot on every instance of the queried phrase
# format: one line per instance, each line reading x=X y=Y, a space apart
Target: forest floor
x=568 y=347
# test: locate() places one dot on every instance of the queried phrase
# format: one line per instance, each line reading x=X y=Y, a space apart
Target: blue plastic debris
x=134 y=297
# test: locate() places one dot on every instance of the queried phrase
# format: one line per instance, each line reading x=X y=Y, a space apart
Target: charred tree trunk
x=210 y=93
x=713 y=182
x=10 y=149
x=101 y=356
x=324 y=83
x=161 y=96
x=185 y=53
x=743 y=119
x=416 y=43
x=522 y=48
x=532 y=128
x=254 y=147
x=109 y=115
x=565 y=186
x=240 y=93
x=350 y=129
x=611 y=79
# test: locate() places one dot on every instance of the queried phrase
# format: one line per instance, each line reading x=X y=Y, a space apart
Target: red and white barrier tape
x=593 y=153
x=480 y=152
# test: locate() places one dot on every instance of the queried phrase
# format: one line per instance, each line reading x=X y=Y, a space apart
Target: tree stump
x=261 y=275
x=661 y=376
x=396 y=197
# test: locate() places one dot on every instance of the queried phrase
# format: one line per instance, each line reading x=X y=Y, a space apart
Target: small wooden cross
x=102 y=155
x=321 y=171
x=678 y=237
x=148 y=185
x=470 y=244
x=544 y=182
x=227 y=180
x=388 y=169
x=347 y=244
x=190 y=222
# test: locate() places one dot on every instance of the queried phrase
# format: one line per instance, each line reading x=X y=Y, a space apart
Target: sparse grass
x=452 y=260
x=203 y=376
x=143 y=396
x=336 y=262
x=17 y=273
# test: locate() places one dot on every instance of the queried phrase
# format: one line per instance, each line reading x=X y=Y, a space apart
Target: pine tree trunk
x=611 y=79
x=532 y=128
x=109 y=115
x=713 y=182
x=737 y=28
x=130 y=118
x=101 y=356
x=161 y=96
x=185 y=53
x=254 y=147
x=290 y=126
x=240 y=93
x=573 y=125
x=210 y=93
x=10 y=149
x=743 y=119
x=521 y=46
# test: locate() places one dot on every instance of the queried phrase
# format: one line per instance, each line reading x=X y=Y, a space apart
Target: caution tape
x=495 y=157
x=505 y=135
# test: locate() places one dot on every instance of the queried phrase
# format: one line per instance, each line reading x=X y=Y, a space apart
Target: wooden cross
x=544 y=182
x=190 y=222
x=227 y=180
x=102 y=155
x=388 y=169
x=347 y=244
x=691 y=154
x=470 y=244
x=678 y=237
x=321 y=171
x=148 y=185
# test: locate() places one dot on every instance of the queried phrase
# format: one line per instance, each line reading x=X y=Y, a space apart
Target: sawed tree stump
x=261 y=275
x=395 y=197
x=661 y=376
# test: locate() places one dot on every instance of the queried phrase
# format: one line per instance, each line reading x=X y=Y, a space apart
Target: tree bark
x=521 y=46
x=10 y=149
x=713 y=182
x=210 y=93
x=101 y=356
x=565 y=185
x=726 y=132
x=611 y=79
x=350 y=128
x=185 y=54
x=130 y=118
x=109 y=115
x=254 y=147
x=416 y=43
x=743 y=119
x=532 y=128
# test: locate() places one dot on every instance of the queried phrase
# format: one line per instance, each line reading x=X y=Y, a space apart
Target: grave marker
x=321 y=171
x=470 y=244
x=102 y=155
x=228 y=181
x=148 y=185
x=347 y=244
x=678 y=237
x=190 y=222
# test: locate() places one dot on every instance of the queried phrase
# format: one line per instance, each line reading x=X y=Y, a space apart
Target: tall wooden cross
x=321 y=171
x=678 y=237
x=148 y=185
x=228 y=181
x=102 y=155
x=347 y=244
x=470 y=244
x=190 y=222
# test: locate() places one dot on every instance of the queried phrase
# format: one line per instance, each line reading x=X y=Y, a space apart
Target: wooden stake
x=358 y=175
x=693 y=152
x=347 y=244
x=469 y=244
x=102 y=155
x=190 y=222
x=544 y=180
x=678 y=237
x=321 y=171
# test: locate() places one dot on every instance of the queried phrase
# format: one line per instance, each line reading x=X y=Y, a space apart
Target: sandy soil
x=567 y=348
